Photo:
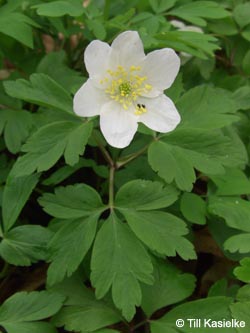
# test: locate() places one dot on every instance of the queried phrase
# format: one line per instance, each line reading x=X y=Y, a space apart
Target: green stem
x=111 y=187
x=106 y=10
x=131 y=157
x=104 y=151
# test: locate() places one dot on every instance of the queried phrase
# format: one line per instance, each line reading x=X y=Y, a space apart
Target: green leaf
x=235 y=211
x=27 y=327
x=240 y=311
x=177 y=88
x=233 y=182
x=225 y=26
x=18 y=313
x=242 y=97
x=25 y=245
x=86 y=318
x=246 y=62
x=241 y=14
x=219 y=288
x=16 y=126
x=221 y=232
x=193 y=208
x=120 y=21
x=60 y=8
x=240 y=243
x=170 y=287
x=194 y=12
x=66 y=171
x=195 y=43
x=243 y=293
x=178 y=167
x=83 y=312
x=15 y=195
x=41 y=90
x=216 y=308
x=145 y=195
x=69 y=79
x=97 y=27
x=162 y=232
x=160 y=6
x=72 y=202
x=114 y=264
x=246 y=33
x=185 y=150
x=242 y=272
x=69 y=246
x=17 y=26
x=45 y=147
x=211 y=108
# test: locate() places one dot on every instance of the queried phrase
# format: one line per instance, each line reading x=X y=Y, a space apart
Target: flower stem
x=131 y=157
x=104 y=151
x=111 y=187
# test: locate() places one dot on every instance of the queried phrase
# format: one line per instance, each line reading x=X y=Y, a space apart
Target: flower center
x=125 y=89
x=125 y=86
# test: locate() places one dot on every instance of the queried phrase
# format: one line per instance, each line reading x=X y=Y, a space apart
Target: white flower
x=126 y=87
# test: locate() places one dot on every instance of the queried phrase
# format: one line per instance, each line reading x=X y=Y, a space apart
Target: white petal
x=117 y=125
x=89 y=100
x=129 y=49
x=177 y=24
x=161 y=115
x=192 y=28
x=161 y=68
x=97 y=58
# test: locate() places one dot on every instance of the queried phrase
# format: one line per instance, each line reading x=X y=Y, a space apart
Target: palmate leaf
x=162 y=232
x=83 y=312
x=238 y=243
x=234 y=210
x=195 y=43
x=240 y=311
x=195 y=12
x=161 y=5
x=240 y=14
x=211 y=108
x=60 y=8
x=193 y=208
x=25 y=245
x=72 y=202
x=233 y=182
x=216 y=308
x=16 y=126
x=114 y=265
x=242 y=272
x=81 y=205
x=145 y=195
x=69 y=246
x=176 y=155
x=61 y=73
x=21 y=312
x=15 y=195
x=17 y=26
x=88 y=318
x=40 y=90
x=170 y=286
x=45 y=147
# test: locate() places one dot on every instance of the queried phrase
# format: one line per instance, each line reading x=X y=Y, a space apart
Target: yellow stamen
x=125 y=86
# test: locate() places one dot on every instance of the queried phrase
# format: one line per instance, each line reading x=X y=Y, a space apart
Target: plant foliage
x=106 y=240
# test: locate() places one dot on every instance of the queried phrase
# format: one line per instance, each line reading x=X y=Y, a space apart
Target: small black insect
x=141 y=106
